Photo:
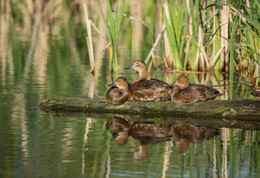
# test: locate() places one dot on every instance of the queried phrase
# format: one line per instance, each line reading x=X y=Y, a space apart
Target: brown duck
x=119 y=92
x=148 y=90
x=185 y=92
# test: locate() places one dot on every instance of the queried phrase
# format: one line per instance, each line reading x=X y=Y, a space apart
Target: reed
x=232 y=59
x=173 y=17
x=243 y=37
x=133 y=41
x=200 y=38
x=185 y=34
x=224 y=13
x=89 y=38
x=112 y=26
x=250 y=28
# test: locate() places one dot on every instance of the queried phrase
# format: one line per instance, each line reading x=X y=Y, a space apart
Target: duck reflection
x=147 y=133
x=184 y=134
x=150 y=133
x=120 y=129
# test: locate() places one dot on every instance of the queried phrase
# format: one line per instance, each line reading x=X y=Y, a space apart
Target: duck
x=256 y=89
x=185 y=92
x=148 y=90
x=119 y=92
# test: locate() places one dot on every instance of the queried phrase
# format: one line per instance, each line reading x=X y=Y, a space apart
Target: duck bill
x=175 y=83
x=111 y=85
x=128 y=68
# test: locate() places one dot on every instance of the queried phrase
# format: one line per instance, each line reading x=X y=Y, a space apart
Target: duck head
x=120 y=83
x=140 y=67
x=182 y=81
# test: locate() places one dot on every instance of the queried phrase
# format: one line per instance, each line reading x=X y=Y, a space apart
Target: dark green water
x=38 y=144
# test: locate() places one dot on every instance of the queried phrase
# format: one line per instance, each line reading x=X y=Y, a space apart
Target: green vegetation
x=112 y=27
x=58 y=98
x=158 y=106
x=173 y=17
x=86 y=104
x=201 y=36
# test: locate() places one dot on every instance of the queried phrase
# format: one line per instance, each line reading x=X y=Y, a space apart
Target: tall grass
x=243 y=40
x=250 y=28
x=173 y=17
x=185 y=34
x=200 y=35
x=192 y=48
x=112 y=26
x=232 y=58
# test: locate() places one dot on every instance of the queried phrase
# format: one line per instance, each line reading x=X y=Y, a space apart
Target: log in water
x=228 y=109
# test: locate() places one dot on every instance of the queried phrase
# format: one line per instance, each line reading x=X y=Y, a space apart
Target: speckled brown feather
x=151 y=90
x=117 y=96
x=194 y=92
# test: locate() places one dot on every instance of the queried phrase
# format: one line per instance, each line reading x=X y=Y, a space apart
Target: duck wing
x=117 y=96
x=207 y=91
x=159 y=82
x=196 y=92
x=150 y=90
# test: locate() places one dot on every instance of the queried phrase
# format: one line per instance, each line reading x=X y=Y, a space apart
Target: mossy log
x=224 y=109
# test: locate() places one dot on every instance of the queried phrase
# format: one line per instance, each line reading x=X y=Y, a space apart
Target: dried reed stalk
x=91 y=87
x=200 y=41
x=89 y=38
x=190 y=28
x=214 y=59
x=224 y=57
x=203 y=55
x=166 y=41
x=213 y=39
x=137 y=14
x=197 y=56
x=155 y=44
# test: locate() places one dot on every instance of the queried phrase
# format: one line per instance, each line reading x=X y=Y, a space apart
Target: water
x=46 y=145
x=34 y=143
x=38 y=144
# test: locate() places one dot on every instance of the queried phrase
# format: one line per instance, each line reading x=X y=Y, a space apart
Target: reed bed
x=204 y=35
x=198 y=35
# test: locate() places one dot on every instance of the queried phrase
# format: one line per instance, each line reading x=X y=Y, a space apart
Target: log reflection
x=145 y=133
